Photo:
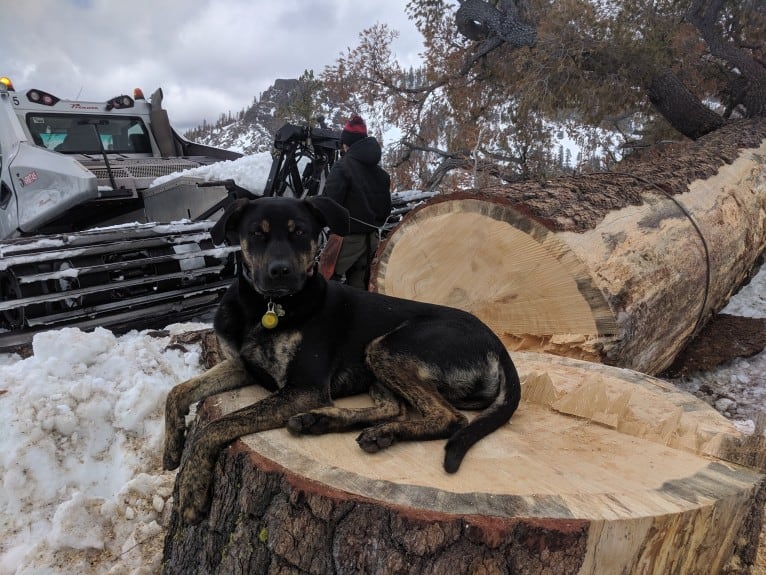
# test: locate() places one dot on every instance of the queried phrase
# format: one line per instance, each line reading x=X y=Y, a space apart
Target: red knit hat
x=354 y=130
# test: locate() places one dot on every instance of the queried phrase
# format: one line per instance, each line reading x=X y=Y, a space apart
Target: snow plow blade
x=125 y=277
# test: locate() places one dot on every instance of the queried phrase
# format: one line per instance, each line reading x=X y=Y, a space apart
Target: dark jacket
x=358 y=183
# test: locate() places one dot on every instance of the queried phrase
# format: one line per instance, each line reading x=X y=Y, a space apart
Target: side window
x=5 y=195
x=5 y=191
x=139 y=140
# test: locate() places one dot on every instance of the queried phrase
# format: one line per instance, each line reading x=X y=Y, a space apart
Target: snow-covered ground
x=83 y=491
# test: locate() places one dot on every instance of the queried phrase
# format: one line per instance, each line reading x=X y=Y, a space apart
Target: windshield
x=73 y=134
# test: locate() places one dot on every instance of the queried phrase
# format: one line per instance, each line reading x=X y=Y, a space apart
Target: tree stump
x=601 y=471
x=622 y=268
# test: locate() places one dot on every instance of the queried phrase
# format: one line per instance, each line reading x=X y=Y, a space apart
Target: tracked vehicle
x=85 y=238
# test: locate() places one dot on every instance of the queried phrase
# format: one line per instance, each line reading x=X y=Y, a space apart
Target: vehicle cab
x=66 y=165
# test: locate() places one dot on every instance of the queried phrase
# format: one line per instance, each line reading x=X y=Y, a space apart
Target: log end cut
x=490 y=259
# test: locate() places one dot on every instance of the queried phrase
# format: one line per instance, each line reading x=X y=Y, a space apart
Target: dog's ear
x=330 y=213
x=228 y=221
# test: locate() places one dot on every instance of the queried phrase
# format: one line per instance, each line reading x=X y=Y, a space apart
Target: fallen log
x=623 y=268
x=601 y=470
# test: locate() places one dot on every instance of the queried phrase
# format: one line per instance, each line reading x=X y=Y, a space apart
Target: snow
x=83 y=490
x=410 y=196
x=249 y=172
x=751 y=299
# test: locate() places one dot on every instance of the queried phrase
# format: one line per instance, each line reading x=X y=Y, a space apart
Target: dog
x=283 y=326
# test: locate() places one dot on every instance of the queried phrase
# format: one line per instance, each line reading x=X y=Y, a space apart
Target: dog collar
x=274 y=311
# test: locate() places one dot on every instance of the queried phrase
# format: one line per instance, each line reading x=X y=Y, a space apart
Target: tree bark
x=681 y=108
x=601 y=470
x=622 y=268
x=749 y=84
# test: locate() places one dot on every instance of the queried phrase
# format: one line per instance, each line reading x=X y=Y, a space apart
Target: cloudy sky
x=209 y=56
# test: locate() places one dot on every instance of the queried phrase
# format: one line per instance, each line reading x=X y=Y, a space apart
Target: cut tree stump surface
x=601 y=470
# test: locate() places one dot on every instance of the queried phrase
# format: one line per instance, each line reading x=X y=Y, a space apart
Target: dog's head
x=279 y=238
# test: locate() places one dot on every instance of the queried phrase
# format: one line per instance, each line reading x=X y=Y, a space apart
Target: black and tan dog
x=283 y=326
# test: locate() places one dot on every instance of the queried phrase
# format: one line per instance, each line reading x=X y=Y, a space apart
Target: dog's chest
x=271 y=351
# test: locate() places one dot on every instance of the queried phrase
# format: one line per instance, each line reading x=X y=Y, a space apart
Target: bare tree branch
x=750 y=93
x=463 y=160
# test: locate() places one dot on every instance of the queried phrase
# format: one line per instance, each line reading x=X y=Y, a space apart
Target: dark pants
x=355 y=257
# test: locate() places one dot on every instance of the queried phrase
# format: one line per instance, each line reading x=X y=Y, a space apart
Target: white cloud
x=209 y=56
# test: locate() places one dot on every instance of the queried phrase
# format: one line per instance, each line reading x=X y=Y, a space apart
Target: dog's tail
x=495 y=416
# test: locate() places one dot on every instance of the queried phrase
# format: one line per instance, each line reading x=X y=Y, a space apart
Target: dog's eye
x=257 y=234
x=298 y=232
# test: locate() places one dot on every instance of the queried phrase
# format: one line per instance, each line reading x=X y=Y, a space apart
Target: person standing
x=358 y=183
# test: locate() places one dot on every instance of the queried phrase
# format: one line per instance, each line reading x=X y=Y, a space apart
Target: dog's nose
x=279 y=269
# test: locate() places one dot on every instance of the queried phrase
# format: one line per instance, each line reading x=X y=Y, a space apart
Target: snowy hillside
x=252 y=131
x=239 y=137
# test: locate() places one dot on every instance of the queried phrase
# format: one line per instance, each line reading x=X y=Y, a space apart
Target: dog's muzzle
x=278 y=279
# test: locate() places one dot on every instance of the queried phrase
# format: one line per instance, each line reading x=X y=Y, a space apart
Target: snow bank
x=750 y=301
x=83 y=489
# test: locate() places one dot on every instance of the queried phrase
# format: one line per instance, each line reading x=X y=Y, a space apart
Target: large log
x=602 y=470
x=622 y=268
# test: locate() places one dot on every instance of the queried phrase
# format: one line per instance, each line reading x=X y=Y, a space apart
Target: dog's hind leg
x=495 y=415
x=415 y=381
x=334 y=419
x=439 y=420
x=229 y=374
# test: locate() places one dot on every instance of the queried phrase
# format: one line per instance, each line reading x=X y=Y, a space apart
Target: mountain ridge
x=252 y=130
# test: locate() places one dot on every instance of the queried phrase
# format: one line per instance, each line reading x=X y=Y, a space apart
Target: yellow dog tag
x=271 y=318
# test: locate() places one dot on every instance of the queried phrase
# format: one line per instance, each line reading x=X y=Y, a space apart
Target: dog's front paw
x=193 y=495
x=308 y=423
x=175 y=428
x=174 y=448
x=375 y=439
